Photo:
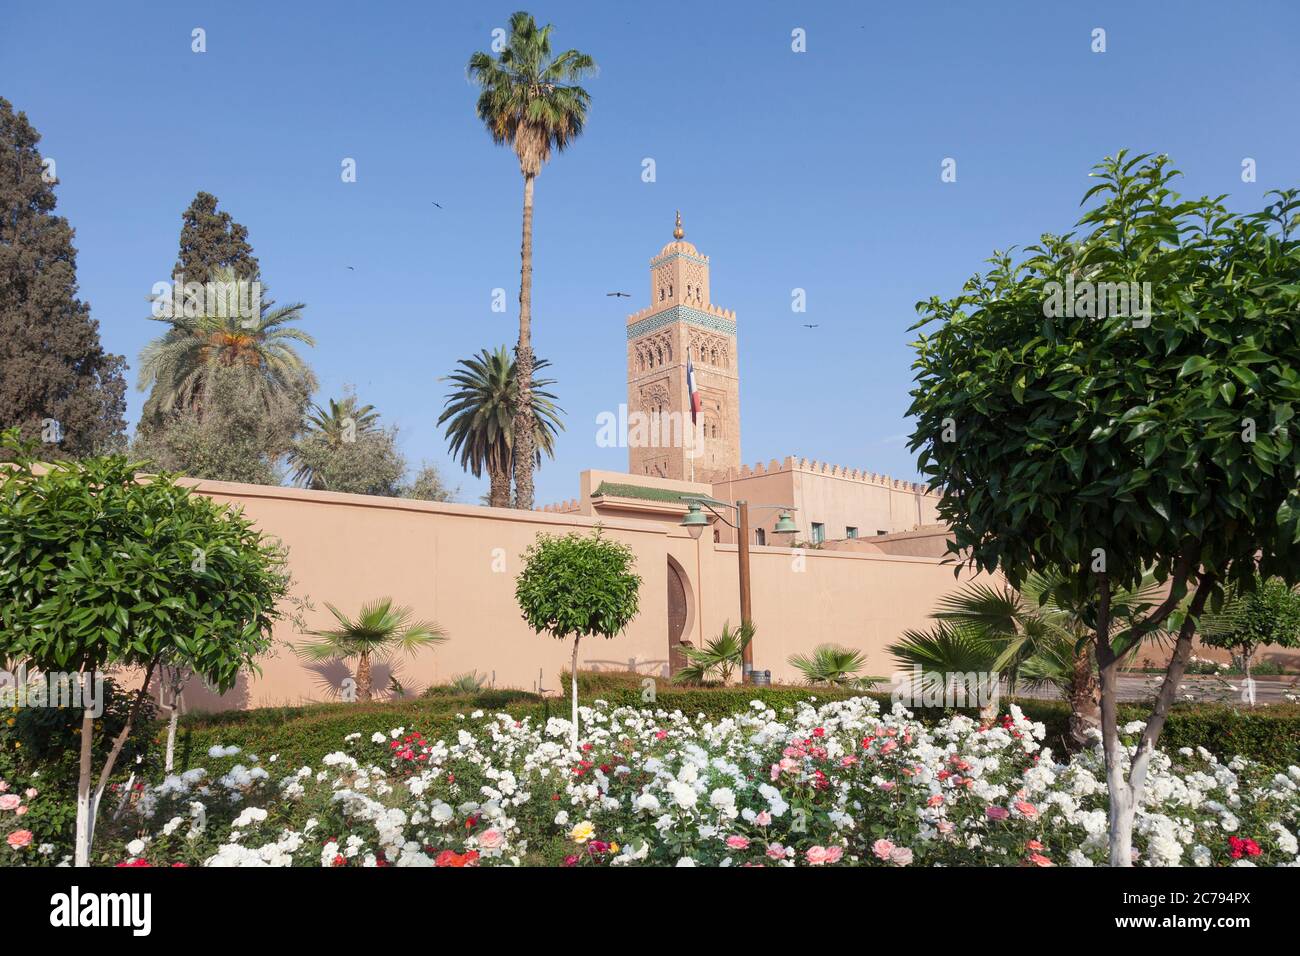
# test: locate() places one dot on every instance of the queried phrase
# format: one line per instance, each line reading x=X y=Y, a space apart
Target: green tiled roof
x=616 y=490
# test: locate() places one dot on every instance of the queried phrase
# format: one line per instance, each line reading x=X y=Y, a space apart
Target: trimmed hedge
x=301 y=735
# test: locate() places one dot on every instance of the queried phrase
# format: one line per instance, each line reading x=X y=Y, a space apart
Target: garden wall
x=456 y=564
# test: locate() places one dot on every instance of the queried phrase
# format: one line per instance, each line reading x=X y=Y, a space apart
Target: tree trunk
x=81 y=851
x=499 y=488
x=573 y=684
x=171 y=734
x=523 y=426
x=363 y=677
x=1085 y=702
x=1247 y=653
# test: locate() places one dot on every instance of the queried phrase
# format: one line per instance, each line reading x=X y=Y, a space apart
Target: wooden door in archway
x=676 y=617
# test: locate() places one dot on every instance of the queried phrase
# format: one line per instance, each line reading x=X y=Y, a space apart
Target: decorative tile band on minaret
x=682 y=321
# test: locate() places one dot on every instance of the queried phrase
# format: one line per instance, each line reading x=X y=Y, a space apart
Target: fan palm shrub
x=831 y=665
x=1035 y=636
x=380 y=631
x=719 y=657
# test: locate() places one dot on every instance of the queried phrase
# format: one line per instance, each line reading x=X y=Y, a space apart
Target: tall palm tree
x=379 y=631
x=209 y=334
x=334 y=426
x=483 y=411
x=529 y=100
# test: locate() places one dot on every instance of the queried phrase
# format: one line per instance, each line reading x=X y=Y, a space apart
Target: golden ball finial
x=678 y=232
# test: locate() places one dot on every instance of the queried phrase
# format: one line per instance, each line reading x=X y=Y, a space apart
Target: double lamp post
x=696 y=521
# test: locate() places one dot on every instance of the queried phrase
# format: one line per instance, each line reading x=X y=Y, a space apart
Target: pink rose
x=491 y=839
x=763 y=819
x=997 y=813
x=19 y=839
x=816 y=855
x=900 y=856
x=30 y=793
x=946 y=826
x=776 y=851
x=935 y=800
x=1028 y=809
x=10 y=801
x=834 y=854
x=882 y=849
x=737 y=842
x=888 y=745
x=887 y=785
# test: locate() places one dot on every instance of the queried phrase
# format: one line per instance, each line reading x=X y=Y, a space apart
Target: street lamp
x=695 y=522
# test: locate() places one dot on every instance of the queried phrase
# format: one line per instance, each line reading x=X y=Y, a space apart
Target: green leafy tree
x=529 y=100
x=236 y=436
x=831 y=665
x=577 y=586
x=56 y=381
x=481 y=412
x=329 y=429
x=719 y=657
x=100 y=569
x=212 y=241
x=379 y=632
x=178 y=367
x=1073 y=429
x=428 y=485
x=1268 y=614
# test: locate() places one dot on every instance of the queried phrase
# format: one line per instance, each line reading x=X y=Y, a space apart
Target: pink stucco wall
x=457 y=565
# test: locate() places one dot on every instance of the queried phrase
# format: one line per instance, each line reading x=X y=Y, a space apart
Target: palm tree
x=482 y=411
x=335 y=426
x=379 y=631
x=723 y=654
x=830 y=664
x=529 y=100
x=210 y=334
x=1038 y=635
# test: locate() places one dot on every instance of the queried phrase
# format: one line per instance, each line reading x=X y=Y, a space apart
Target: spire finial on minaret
x=678 y=233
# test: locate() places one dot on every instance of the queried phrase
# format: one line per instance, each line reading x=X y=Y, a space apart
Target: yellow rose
x=583 y=832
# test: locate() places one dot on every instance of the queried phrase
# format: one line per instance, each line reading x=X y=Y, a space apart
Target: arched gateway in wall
x=678 y=615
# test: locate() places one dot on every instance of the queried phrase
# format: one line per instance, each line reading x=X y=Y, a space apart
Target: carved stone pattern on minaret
x=710 y=350
x=654 y=396
x=654 y=351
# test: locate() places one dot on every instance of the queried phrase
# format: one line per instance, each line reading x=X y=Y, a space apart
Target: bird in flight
x=813 y=326
x=621 y=295
x=353 y=268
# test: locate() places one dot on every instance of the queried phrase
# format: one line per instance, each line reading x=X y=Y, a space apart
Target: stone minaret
x=680 y=317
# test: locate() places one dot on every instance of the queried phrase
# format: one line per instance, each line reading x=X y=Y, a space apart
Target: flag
x=691 y=392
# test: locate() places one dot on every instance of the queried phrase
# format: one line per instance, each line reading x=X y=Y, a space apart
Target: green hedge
x=305 y=734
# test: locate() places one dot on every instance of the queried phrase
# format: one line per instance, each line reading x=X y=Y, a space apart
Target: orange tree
x=101 y=568
x=1117 y=402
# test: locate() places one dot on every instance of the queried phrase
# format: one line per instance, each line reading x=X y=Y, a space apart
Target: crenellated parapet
x=815 y=467
x=561 y=507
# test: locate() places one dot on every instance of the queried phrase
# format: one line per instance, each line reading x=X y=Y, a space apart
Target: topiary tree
x=575 y=586
x=1268 y=614
x=100 y=569
x=1119 y=402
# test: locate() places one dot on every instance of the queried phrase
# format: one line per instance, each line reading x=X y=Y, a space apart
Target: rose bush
x=837 y=784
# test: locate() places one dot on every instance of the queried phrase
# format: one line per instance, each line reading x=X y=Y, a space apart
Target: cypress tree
x=56 y=381
x=210 y=239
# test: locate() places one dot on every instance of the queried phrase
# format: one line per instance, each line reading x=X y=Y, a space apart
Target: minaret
x=682 y=317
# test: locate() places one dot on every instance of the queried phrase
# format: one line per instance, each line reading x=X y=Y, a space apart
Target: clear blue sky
x=817 y=170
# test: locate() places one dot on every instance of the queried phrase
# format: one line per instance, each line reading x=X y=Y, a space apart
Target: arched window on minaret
x=670 y=290
x=659 y=356
x=714 y=360
x=661 y=293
